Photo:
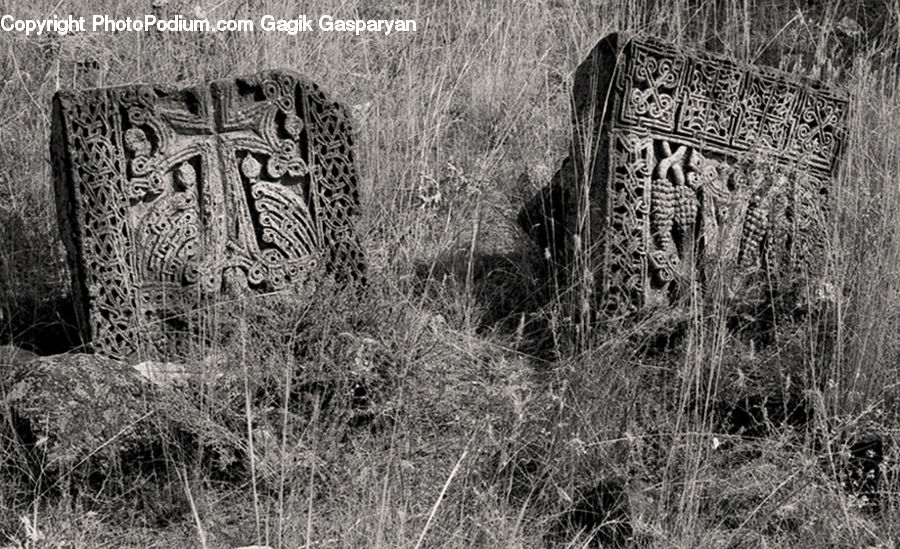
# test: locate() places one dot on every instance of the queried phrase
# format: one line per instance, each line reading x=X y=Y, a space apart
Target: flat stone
x=11 y=355
x=73 y=406
x=72 y=410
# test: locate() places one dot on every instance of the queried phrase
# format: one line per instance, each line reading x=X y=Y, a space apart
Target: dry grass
x=482 y=426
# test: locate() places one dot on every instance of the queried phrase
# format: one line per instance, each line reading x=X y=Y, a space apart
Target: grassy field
x=481 y=424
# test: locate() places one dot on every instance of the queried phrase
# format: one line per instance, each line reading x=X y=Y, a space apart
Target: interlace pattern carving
x=166 y=196
x=701 y=170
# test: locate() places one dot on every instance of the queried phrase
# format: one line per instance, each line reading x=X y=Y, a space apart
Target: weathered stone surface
x=62 y=412
x=686 y=168
x=70 y=407
x=12 y=355
x=167 y=197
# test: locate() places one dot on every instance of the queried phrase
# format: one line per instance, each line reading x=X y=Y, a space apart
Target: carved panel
x=701 y=170
x=167 y=196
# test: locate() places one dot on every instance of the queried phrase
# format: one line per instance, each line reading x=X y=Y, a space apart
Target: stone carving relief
x=166 y=197
x=700 y=170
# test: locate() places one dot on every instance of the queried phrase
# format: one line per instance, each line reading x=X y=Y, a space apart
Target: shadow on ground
x=43 y=326
x=505 y=294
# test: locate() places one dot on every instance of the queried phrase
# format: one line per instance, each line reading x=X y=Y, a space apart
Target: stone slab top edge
x=202 y=84
x=711 y=101
x=206 y=92
x=200 y=97
x=618 y=42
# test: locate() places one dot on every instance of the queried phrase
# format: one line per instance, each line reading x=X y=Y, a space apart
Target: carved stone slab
x=166 y=196
x=687 y=167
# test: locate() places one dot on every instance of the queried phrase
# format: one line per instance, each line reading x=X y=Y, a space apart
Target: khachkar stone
x=168 y=196
x=686 y=168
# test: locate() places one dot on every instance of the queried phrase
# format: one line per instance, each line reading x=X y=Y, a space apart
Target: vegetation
x=449 y=408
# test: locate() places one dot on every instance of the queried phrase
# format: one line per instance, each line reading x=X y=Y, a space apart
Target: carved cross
x=167 y=195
